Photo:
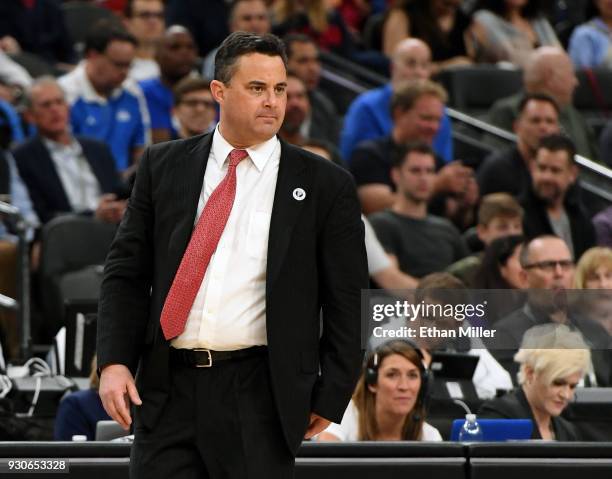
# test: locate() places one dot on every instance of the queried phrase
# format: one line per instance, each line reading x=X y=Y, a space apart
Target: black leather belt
x=205 y=358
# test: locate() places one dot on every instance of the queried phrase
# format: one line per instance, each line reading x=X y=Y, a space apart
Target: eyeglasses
x=149 y=15
x=194 y=103
x=550 y=266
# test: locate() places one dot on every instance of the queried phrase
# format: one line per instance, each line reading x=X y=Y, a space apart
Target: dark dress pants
x=218 y=422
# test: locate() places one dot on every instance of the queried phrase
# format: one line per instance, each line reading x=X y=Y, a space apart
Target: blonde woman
x=389 y=400
x=594 y=270
x=553 y=360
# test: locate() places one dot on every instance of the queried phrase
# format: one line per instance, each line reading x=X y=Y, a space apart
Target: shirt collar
x=259 y=153
x=54 y=146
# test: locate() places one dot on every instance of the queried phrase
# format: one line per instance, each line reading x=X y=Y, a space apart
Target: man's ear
x=395 y=175
x=217 y=89
x=574 y=171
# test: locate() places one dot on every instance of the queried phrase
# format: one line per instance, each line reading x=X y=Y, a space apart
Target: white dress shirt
x=229 y=311
x=79 y=182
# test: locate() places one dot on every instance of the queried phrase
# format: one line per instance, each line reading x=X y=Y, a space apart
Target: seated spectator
x=553 y=360
x=65 y=173
x=549 y=70
x=145 y=20
x=590 y=45
x=509 y=30
x=507 y=170
x=102 y=104
x=552 y=204
x=176 y=56
x=548 y=271
x=79 y=412
x=416 y=111
x=499 y=215
x=594 y=270
x=422 y=243
x=441 y=24
x=298 y=127
x=500 y=273
x=500 y=267
x=303 y=60
x=194 y=107
x=244 y=16
x=389 y=402
x=369 y=116
x=36 y=27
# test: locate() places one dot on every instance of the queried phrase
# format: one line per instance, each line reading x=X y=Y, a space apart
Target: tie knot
x=236 y=156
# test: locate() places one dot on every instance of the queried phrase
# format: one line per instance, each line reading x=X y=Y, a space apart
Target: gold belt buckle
x=209 y=359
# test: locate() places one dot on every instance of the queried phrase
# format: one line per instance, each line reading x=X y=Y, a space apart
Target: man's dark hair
x=238 y=44
x=527 y=97
x=400 y=154
x=292 y=38
x=188 y=85
x=559 y=142
x=103 y=33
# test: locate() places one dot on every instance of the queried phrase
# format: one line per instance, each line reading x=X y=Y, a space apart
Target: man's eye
x=257 y=89
x=280 y=89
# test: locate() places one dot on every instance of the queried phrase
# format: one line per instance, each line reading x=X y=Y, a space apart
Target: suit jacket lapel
x=50 y=179
x=187 y=177
x=285 y=209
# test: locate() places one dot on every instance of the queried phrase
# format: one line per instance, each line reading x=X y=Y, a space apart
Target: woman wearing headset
x=389 y=400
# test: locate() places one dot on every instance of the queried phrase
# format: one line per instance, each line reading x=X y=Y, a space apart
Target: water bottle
x=470 y=431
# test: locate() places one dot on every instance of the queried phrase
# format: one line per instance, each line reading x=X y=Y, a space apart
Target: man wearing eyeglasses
x=552 y=205
x=194 y=108
x=145 y=20
x=103 y=105
x=548 y=271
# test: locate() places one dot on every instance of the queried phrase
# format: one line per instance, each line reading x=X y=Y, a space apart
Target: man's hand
x=117 y=390
x=110 y=209
x=316 y=425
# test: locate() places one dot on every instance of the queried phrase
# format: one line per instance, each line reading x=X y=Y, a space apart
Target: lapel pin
x=299 y=194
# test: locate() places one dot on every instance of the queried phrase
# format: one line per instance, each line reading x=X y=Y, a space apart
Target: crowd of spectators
x=517 y=220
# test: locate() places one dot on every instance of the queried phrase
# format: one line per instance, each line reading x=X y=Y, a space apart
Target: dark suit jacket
x=536 y=222
x=43 y=182
x=316 y=261
x=514 y=405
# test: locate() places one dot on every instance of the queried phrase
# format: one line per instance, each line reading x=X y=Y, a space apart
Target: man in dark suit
x=64 y=173
x=233 y=367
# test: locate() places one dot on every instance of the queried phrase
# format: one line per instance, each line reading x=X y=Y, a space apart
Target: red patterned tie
x=200 y=249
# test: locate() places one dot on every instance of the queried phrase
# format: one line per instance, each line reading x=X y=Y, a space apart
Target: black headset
x=371 y=372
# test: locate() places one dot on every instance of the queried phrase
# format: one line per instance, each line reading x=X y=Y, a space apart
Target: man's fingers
x=122 y=404
x=133 y=394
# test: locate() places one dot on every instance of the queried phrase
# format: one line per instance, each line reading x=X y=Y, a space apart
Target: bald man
x=549 y=70
x=369 y=115
x=176 y=55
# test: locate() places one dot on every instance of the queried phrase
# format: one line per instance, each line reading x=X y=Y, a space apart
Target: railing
x=21 y=304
